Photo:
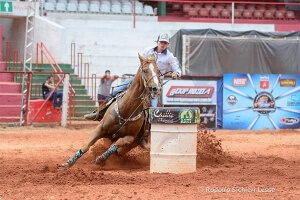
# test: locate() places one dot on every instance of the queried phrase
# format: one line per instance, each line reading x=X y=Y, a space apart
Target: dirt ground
x=250 y=165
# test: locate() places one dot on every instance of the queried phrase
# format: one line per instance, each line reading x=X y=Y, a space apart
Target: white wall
x=13 y=30
x=106 y=41
x=111 y=42
x=52 y=35
x=47 y=31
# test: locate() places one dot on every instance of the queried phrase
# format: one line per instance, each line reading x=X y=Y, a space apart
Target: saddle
x=101 y=110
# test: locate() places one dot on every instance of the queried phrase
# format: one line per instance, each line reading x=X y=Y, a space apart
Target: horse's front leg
x=119 y=144
x=92 y=140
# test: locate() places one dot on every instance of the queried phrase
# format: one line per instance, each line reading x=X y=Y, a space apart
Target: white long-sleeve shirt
x=164 y=60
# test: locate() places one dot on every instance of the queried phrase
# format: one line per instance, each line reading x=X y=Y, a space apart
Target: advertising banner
x=199 y=93
x=261 y=101
x=190 y=92
x=175 y=115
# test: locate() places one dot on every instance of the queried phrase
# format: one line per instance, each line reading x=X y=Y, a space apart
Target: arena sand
x=230 y=165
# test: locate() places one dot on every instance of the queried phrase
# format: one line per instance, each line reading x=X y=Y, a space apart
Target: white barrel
x=173 y=148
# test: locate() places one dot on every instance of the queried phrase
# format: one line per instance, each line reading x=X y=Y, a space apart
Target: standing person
x=47 y=87
x=104 y=87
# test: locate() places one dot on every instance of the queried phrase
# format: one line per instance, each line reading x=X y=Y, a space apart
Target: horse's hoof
x=100 y=161
x=63 y=167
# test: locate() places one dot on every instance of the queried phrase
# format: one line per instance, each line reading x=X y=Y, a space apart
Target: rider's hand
x=174 y=75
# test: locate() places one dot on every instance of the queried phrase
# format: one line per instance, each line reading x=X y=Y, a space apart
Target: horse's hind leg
x=94 y=137
x=120 y=143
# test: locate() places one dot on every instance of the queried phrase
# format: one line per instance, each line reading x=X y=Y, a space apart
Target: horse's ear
x=142 y=59
x=153 y=57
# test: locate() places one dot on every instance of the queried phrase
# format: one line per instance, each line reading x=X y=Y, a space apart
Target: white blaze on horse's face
x=154 y=75
x=155 y=89
x=150 y=73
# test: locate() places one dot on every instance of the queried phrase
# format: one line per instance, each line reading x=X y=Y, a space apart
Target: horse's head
x=150 y=75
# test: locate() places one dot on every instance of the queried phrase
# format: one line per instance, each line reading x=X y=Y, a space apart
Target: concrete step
x=10 y=98
x=10 y=110
x=81 y=119
x=48 y=66
x=9 y=119
x=42 y=80
x=75 y=86
x=51 y=70
x=2 y=66
x=81 y=92
x=81 y=113
x=62 y=65
x=82 y=97
x=6 y=77
x=86 y=103
x=84 y=108
x=10 y=87
x=35 y=93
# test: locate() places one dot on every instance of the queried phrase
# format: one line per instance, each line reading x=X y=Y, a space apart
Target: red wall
x=0 y=42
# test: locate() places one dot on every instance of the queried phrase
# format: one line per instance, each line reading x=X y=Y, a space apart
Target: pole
x=134 y=12
x=65 y=101
x=232 y=13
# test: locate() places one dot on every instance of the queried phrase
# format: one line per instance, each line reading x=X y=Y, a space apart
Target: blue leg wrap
x=77 y=155
x=108 y=152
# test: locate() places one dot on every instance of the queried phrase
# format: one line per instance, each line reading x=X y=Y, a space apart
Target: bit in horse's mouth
x=155 y=93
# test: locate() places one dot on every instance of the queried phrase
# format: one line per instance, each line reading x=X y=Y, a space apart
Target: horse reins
x=139 y=97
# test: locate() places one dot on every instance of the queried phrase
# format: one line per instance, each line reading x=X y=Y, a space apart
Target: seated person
x=47 y=87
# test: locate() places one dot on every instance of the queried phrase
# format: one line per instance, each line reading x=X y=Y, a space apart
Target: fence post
x=94 y=86
x=86 y=74
x=79 y=60
x=27 y=100
x=65 y=101
x=7 y=54
x=73 y=55
x=16 y=58
x=232 y=13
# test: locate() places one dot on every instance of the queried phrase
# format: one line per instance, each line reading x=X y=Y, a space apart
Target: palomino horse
x=124 y=119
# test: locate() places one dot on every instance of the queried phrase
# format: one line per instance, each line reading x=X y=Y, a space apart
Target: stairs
x=10 y=97
x=82 y=107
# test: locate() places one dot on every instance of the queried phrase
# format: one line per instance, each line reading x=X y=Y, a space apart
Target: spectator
x=47 y=87
x=104 y=87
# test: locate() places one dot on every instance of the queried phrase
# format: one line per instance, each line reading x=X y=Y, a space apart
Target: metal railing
x=37 y=90
x=56 y=68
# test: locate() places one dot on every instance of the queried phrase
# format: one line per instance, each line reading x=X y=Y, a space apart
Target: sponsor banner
x=208 y=115
x=175 y=115
x=189 y=92
x=260 y=101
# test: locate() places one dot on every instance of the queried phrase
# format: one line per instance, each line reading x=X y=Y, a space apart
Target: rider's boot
x=91 y=116
x=96 y=114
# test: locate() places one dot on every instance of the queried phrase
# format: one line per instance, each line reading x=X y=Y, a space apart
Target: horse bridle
x=151 y=89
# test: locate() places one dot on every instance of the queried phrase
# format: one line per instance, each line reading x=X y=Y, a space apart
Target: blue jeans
x=124 y=86
x=56 y=96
